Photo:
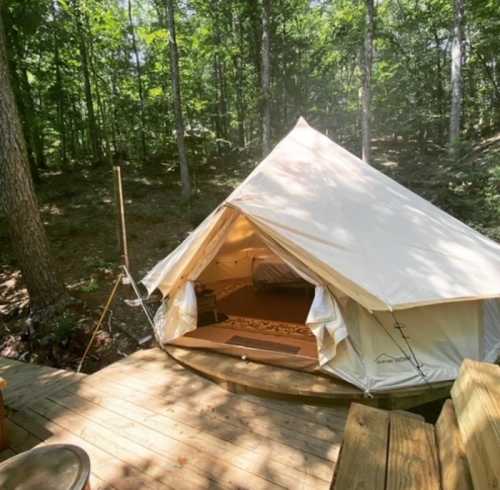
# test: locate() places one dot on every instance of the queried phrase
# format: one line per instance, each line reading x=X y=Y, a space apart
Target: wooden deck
x=146 y=422
x=29 y=382
x=262 y=379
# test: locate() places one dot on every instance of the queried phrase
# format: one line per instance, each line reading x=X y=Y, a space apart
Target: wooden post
x=4 y=442
x=121 y=212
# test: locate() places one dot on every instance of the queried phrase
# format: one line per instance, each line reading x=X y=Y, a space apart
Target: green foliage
x=316 y=58
x=64 y=326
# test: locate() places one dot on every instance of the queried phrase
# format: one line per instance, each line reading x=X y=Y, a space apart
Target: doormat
x=262 y=344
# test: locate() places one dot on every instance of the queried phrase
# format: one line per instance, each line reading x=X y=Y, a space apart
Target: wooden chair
x=390 y=450
x=3 y=416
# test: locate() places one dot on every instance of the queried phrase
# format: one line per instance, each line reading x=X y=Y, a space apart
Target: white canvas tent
x=403 y=291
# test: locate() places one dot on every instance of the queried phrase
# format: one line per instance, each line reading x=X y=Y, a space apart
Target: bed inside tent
x=251 y=304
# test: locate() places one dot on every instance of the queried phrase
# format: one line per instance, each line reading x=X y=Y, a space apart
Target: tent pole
x=121 y=207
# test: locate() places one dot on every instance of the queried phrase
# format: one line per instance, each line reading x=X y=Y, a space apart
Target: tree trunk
x=440 y=98
x=25 y=108
x=61 y=128
x=219 y=78
x=457 y=58
x=284 y=73
x=366 y=89
x=266 y=77
x=179 y=122
x=140 y=87
x=24 y=103
x=238 y=64
x=92 y=125
x=19 y=201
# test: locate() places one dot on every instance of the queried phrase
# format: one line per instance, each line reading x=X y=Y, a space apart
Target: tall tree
x=140 y=86
x=366 y=87
x=179 y=121
x=19 y=201
x=87 y=84
x=59 y=85
x=266 y=77
x=457 y=59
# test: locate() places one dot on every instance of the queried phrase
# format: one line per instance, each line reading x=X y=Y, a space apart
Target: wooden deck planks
x=28 y=382
x=168 y=373
x=146 y=422
x=455 y=472
x=145 y=451
x=200 y=452
x=105 y=465
x=364 y=451
x=412 y=457
x=476 y=397
x=151 y=413
x=194 y=399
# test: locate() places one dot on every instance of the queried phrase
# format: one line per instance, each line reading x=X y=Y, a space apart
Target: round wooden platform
x=261 y=379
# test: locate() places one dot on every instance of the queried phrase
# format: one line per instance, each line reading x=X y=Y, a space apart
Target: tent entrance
x=252 y=305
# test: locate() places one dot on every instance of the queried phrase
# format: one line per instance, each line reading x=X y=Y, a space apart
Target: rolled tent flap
x=177 y=316
x=327 y=324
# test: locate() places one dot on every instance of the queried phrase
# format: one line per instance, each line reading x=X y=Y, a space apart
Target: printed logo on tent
x=388 y=359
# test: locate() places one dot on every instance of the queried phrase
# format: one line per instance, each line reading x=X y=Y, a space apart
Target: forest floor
x=80 y=216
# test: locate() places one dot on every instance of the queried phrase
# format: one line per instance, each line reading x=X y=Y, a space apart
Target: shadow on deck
x=147 y=422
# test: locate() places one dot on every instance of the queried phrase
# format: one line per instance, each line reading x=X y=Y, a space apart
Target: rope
x=98 y=324
x=415 y=363
x=141 y=301
x=399 y=326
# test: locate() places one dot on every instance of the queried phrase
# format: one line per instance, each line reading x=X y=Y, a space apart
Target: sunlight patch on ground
x=389 y=164
x=52 y=209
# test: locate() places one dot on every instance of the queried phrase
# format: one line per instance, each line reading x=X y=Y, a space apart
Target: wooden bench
x=3 y=417
x=391 y=450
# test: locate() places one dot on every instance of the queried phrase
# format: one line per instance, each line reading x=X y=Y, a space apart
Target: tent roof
x=363 y=232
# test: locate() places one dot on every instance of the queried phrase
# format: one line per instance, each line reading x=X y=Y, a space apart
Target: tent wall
x=439 y=337
x=491 y=337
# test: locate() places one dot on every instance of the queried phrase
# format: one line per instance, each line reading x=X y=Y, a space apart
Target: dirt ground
x=79 y=213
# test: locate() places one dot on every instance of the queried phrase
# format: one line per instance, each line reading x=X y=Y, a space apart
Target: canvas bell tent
x=318 y=261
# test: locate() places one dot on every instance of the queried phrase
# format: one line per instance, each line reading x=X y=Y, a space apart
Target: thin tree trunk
x=61 y=128
x=457 y=58
x=179 y=122
x=284 y=74
x=92 y=125
x=439 y=90
x=160 y=9
x=266 y=77
x=101 y=109
x=114 y=114
x=366 y=89
x=140 y=87
x=238 y=64
x=19 y=201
